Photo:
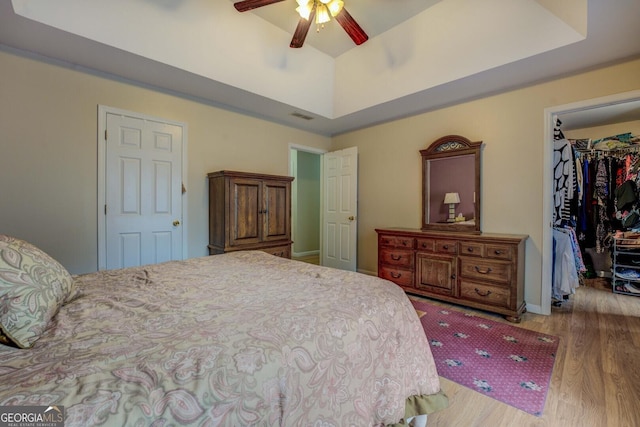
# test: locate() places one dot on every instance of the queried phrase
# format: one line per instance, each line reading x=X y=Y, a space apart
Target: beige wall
x=48 y=153
x=511 y=125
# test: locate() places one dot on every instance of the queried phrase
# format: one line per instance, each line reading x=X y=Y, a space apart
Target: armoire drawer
x=485 y=269
x=484 y=293
x=281 y=251
x=396 y=256
x=399 y=276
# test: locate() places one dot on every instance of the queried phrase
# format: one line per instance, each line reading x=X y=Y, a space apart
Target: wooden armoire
x=249 y=211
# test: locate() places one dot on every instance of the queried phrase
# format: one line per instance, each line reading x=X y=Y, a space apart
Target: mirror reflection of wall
x=451 y=175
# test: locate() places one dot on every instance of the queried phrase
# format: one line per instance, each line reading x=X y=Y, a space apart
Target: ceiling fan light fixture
x=325 y=9
x=304 y=8
x=322 y=14
x=335 y=7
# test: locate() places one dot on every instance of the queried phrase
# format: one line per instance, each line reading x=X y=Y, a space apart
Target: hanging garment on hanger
x=575 y=246
x=564 y=180
x=565 y=276
x=585 y=200
x=601 y=197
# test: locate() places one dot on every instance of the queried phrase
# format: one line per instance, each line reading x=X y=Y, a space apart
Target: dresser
x=483 y=271
x=249 y=211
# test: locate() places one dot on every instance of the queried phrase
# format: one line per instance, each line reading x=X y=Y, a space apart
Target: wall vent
x=301 y=116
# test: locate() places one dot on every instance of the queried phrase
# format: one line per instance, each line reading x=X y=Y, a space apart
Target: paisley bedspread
x=241 y=339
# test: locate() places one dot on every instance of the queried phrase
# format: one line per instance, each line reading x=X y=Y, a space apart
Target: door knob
x=176 y=223
x=351 y=218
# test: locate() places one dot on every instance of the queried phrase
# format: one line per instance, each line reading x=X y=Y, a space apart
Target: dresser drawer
x=485 y=269
x=441 y=246
x=498 y=251
x=472 y=248
x=483 y=293
x=427 y=245
x=446 y=246
x=399 y=276
x=396 y=256
x=396 y=241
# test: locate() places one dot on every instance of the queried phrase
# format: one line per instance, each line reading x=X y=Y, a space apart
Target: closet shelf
x=626 y=265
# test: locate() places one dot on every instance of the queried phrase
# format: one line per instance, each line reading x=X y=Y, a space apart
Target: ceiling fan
x=310 y=10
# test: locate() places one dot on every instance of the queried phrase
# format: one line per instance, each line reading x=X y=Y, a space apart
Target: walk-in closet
x=596 y=209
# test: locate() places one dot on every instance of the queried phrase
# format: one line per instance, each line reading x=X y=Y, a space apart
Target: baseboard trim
x=535 y=309
x=306 y=253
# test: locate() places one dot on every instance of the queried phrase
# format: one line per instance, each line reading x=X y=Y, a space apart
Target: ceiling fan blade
x=352 y=28
x=301 y=30
x=245 y=5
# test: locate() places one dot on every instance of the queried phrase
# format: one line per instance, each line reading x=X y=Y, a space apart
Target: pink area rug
x=508 y=363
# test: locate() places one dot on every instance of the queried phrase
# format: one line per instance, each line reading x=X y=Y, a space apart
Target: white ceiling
x=602 y=115
x=414 y=61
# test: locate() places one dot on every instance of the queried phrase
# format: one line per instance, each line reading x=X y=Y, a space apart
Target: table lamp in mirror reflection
x=452 y=199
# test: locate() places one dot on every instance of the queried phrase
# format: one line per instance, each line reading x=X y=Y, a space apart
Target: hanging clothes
x=565 y=271
x=601 y=203
x=565 y=182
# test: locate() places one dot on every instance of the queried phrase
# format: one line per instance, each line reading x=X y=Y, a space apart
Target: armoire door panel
x=276 y=213
x=245 y=221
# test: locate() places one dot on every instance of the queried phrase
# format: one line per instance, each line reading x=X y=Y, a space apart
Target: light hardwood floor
x=312 y=259
x=596 y=377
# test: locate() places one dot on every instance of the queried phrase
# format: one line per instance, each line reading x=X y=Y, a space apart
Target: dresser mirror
x=451 y=185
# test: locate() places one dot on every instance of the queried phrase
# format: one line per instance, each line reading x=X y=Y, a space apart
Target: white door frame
x=294 y=195
x=103 y=110
x=547 y=207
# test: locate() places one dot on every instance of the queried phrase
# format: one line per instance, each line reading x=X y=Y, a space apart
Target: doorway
x=305 y=165
x=585 y=108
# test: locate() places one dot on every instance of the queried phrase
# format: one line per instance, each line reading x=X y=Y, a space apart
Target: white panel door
x=340 y=209
x=143 y=191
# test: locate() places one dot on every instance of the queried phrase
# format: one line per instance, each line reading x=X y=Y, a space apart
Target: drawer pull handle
x=487 y=271
x=396 y=275
x=396 y=257
x=404 y=243
x=470 y=249
x=481 y=294
x=498 y=252
x=445 y=247
x=424 y=245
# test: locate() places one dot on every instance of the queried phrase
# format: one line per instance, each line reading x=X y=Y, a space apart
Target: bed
x=240 y=339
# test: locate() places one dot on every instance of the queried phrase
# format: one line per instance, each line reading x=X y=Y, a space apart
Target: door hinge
x=105 y=209
x=105 y=134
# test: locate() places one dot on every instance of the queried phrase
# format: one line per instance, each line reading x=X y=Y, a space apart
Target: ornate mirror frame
x=451 y=164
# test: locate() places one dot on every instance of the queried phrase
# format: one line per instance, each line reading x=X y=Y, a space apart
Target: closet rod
x=612 y=152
